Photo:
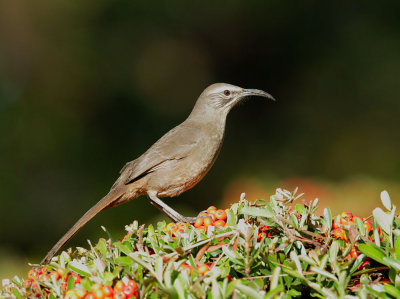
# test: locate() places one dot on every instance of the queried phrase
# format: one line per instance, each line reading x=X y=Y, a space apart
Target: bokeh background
x=86 y=86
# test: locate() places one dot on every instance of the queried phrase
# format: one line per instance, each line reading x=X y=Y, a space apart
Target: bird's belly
x=178 y=176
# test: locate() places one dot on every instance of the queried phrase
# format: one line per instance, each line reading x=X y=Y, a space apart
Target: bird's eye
x=227 y=92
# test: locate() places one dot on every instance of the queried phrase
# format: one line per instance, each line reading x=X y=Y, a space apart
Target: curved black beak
x=256 y=92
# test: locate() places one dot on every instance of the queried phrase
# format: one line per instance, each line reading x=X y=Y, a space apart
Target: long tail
x=106 y=201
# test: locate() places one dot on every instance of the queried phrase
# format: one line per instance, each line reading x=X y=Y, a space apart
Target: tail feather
x=106 y=201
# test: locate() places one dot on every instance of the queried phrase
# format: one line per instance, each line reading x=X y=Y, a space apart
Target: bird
x=176 y=162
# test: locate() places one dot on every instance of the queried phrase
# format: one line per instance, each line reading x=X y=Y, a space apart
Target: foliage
x=267 y=249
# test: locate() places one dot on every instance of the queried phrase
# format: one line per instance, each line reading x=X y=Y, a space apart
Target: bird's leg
x=167 y=210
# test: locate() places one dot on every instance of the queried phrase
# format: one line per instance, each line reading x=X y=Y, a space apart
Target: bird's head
x=222 y=97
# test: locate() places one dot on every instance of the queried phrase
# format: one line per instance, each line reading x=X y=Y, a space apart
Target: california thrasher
x=176 y=162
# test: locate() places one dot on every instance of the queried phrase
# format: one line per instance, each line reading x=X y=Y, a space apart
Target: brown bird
x=176 y=162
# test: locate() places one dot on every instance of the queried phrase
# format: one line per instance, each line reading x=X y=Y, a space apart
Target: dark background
x=87 y=86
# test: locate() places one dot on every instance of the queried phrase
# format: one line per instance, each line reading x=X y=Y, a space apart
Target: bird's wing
x=174 y=145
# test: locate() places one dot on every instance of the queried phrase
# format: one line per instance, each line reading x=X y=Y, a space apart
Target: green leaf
x=70 y=282
x=248 y=291
x=233 y=256
x=391 y=262
x=80 y=268
x=102 y=247
x=397 y=247
x=16 y=293
x=391 y=290
x=124 y=261
x=328 y=219
x=274 y=292
x=124 y=248
x=324 y=273
x=180 y=287
x=86 y=283
x=301 y=209
x=385 y=198
x=266 y=212
x=231 y=218
x=360 y=226
x=384 y=220
x=275 y=278
x=372 y=251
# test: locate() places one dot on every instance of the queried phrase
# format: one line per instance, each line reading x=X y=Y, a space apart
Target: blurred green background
x=87 y=86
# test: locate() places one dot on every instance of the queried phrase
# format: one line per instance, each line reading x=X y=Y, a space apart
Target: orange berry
x=119 y=295
x=129 y=291
x=55 y=275
x=187 y=267
x=353 y=253
x=339 y=233
x=172 y=227
x=27 y=283
x=220 y=214
x=90 y=296
x=133 y=284
x=368 y=225
x=77 y=278
x=202 y=214
x=210 y=209
x=182 y=226
x=43 y=270
x=199 y=222
x=119 y=286
x=108 y=291
x=219 y=223
x=261 y=236
x=44 y=277
x=203 y=269
x=98 y=293
x=33 y=274
x=71 y=294
x=207 y=221
x=212 y=216
x=61 y=271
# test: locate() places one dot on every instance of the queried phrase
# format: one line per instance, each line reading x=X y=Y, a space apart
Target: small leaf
x=80 y=268
x=391 y=262
x=324 y=273
x=124 y=261
x=179 y=286
x=70 y=282
x=248 y=291
x=328 y=219
x=385 y=198
x=301 y=209
x=266 y=212
x=384 y=220
x=391 y=290
x=397 y=247
x=275 y=278
x=372 y=251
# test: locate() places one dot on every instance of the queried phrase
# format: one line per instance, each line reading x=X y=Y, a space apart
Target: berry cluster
x=212 y=217
x=39 y=283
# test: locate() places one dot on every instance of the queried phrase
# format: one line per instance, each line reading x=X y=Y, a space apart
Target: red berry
x=211 y=209
x=199 y=222
x=108 y=291
x=219 y=223
x=220 y=214
x=207 y=221
x=119 y=286
x=203 y=269
x=33 y=274
x=119 y=295
x=133 y=284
